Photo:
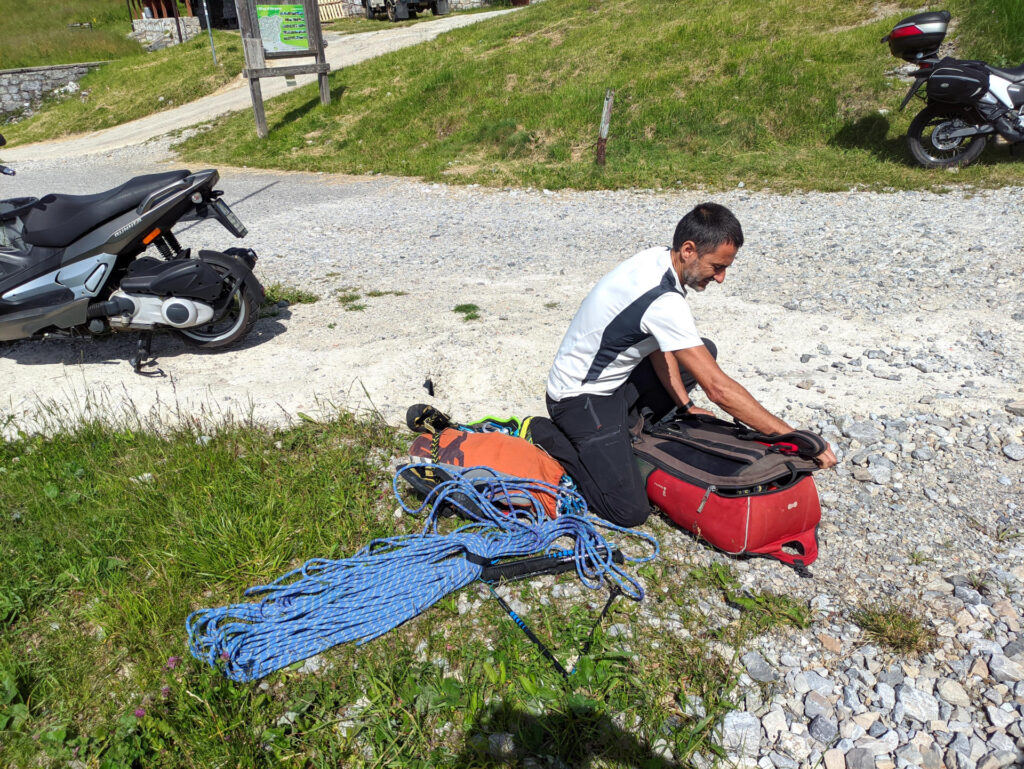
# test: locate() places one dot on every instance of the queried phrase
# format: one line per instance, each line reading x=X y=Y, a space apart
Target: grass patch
x=990 y=30
x=468 y=311
x=350 y=297
x=37 y=33
x=917 y=558
x=896 y=627
x=134 y=87
x=279 y=292
x=759 y=610
x=99 y=572
x=784 y=96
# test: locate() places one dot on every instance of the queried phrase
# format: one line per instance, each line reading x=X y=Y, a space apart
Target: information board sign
x=283 y=27
x=281 y=30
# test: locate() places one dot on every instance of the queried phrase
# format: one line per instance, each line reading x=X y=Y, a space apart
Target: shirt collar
x=675 y=276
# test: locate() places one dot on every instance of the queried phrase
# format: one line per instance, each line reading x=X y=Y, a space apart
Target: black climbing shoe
x=422 y=418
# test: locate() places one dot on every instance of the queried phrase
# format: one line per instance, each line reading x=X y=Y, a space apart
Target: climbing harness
x=325 y=602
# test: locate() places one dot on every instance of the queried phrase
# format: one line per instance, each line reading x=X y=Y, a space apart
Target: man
x=633 y=348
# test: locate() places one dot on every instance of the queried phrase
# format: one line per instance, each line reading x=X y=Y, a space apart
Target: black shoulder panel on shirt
x=624 y=331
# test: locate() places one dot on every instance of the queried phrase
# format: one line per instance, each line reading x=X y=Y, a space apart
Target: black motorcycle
x=79 y=264
x=967 y=101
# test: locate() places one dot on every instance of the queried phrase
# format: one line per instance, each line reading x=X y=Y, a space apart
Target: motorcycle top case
x=918 y=36
x=742 y=491
x=955 y=81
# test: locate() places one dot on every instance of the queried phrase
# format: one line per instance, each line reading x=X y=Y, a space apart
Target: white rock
x=741 y=733
x=773 y=723
x=952 y=692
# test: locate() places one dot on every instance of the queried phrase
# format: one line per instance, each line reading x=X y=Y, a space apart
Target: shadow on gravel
x=574 y=738
x=115 y=349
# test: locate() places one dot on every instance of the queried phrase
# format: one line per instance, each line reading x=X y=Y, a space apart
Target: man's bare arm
x=732 y=397
x=727 y=393
x=667 y=369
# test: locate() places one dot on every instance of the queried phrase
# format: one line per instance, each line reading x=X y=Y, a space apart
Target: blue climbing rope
x=391 y=580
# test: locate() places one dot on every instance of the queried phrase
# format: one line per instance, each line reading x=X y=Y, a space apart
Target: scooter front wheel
x=234 y=323
x=929 y=138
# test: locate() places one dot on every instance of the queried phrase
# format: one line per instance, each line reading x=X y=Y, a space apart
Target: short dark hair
x=708 y=225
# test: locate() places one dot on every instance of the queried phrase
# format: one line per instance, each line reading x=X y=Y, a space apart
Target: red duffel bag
x=742 y=491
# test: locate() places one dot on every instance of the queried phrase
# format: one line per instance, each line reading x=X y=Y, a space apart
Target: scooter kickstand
x=143 y=356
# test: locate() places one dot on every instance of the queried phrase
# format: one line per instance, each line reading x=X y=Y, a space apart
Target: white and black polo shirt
x=635 y=309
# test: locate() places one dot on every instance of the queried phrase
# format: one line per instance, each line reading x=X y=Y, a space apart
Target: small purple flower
x=172 y=663
x=140 y=712
x=225 y=656
x=165 y=692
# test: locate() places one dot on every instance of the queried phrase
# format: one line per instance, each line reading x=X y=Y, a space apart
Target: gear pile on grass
x=391 y=580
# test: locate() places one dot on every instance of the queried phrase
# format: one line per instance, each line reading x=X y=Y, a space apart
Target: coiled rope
x=325 y=602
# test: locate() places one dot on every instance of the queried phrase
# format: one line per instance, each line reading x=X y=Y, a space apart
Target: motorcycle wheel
x=369 y=10
x=927 y=144
x=241 y=315
x=392 y=11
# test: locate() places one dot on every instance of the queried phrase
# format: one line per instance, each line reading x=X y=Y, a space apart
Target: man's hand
x=826 y=459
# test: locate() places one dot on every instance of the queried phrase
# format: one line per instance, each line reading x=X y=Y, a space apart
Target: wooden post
x=252 y=48
x=256 y=56
x=177 y=20
x=606 y=121
x=316 y=39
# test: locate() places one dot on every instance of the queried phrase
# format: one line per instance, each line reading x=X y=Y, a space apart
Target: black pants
x=592 y=441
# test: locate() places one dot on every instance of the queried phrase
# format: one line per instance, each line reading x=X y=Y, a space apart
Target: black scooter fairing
x=55 y=221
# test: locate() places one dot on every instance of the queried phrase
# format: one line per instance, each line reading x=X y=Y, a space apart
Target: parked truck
x=399 y=10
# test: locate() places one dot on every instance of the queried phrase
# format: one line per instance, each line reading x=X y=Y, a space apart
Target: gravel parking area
x=891 y=323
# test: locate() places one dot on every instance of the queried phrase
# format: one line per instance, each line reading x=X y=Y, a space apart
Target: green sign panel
x=283 y=27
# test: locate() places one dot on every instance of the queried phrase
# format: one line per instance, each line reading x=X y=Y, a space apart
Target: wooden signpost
x=281 y=30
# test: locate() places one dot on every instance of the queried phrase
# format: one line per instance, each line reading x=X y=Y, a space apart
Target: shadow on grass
x=306 y=107
x=574 y=737
x=871 y=132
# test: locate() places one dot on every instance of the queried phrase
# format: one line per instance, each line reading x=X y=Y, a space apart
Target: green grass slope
x=134 y=87
x=35 y=33
x=784 y=94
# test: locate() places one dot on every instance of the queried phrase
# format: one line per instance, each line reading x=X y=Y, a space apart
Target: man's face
x=697 y=271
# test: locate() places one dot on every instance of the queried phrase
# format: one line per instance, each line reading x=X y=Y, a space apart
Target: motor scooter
x=92 y=264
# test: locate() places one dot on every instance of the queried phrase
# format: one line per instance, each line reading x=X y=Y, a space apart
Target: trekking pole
x=544 y=650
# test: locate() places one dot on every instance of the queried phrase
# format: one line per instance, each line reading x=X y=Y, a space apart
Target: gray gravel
x=890 y=323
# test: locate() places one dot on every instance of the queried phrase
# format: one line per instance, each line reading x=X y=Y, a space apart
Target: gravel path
x=891 y=323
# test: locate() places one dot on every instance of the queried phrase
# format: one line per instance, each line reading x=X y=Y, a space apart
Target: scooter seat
x=1015 y=74
x=54 y=221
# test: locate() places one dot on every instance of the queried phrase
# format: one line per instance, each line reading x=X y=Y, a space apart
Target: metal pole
x=206 y=11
